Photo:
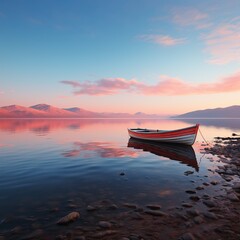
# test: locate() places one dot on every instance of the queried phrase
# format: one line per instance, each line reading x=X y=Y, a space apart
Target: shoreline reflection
x=178 y=152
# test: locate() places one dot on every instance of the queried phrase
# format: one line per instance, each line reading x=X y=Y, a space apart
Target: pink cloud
x=165 y=86
x=162 y=39
x=223 y=43
x=106 y=86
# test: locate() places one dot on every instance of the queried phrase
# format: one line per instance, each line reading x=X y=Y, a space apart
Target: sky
x=154 y=56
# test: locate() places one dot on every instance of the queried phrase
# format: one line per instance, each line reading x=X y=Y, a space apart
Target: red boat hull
x=184 y=136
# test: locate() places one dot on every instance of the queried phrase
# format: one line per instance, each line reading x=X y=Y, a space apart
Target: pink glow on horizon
x=167 y=86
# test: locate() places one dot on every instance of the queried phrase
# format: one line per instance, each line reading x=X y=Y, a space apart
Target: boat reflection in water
x=179 y=152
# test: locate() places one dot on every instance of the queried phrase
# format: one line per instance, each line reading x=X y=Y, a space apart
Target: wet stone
x=209 y=203
x=137 y=216
x=80 y=238
x=233 y=197
x=198 y=220
x=34 y=235
x=214 y=182
x=130 y=205
x=206 y=184
x=193 y=212
x=154 y=206
x=194 y=198
x=104 y=224
x=68 y=218
x=187 y=205
x=188 y=173
x=210 y=215
x=206 y=196
x=60 y=237
x=113 y=207
x=16 y=230
x=91 y=208
x=199 y=188
x=190 y=191
x=104 y=233
x=155 y=213
x=187 y=236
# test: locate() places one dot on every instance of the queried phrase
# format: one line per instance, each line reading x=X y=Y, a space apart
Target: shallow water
x=51 y=164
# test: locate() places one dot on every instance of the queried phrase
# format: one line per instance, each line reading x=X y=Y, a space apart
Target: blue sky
x=123 y=55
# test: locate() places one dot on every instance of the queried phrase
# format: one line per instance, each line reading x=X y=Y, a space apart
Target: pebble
x=187 y=205
x=154 y=206
x=214 y=182
x=187 y=236
x=68 y=218
x=155 y=213
x=190 y=191
x=80 y=238
x=91 y=208
x=199 y=188
x=113 y=207
x=34 y=235
x=198 y=219
x=130 y=205
x=236 y=186
x=233 y=197
x=210 y=215
x=104 y=224
x=193 y=212
x=194 y=198
x=188 y=173
x=104 y=233
x=137 y=216
x=209 y=203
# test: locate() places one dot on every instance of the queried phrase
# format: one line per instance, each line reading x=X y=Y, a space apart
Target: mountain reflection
x=232 y=124
x=102 y=149
x=44 y=126
x=179 y=152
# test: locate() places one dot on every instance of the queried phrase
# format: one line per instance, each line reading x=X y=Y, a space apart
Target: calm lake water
x=63 y=164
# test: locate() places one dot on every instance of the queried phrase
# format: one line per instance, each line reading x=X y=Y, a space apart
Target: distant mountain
x=48 y=111
x=82 y=112
x=17 y=111
x=227 y=112
x=51 y=111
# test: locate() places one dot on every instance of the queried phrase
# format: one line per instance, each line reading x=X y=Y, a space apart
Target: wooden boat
x=184 y=135
x=178 y=152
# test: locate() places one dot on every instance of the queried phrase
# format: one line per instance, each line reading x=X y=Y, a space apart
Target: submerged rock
x=68 y=218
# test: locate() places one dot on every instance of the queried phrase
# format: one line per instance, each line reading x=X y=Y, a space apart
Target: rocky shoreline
x=203 y=216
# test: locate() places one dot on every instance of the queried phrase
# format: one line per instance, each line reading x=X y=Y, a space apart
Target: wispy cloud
x=165 y=86
x=190 y=17
x=223 y=43
x=162 y=39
